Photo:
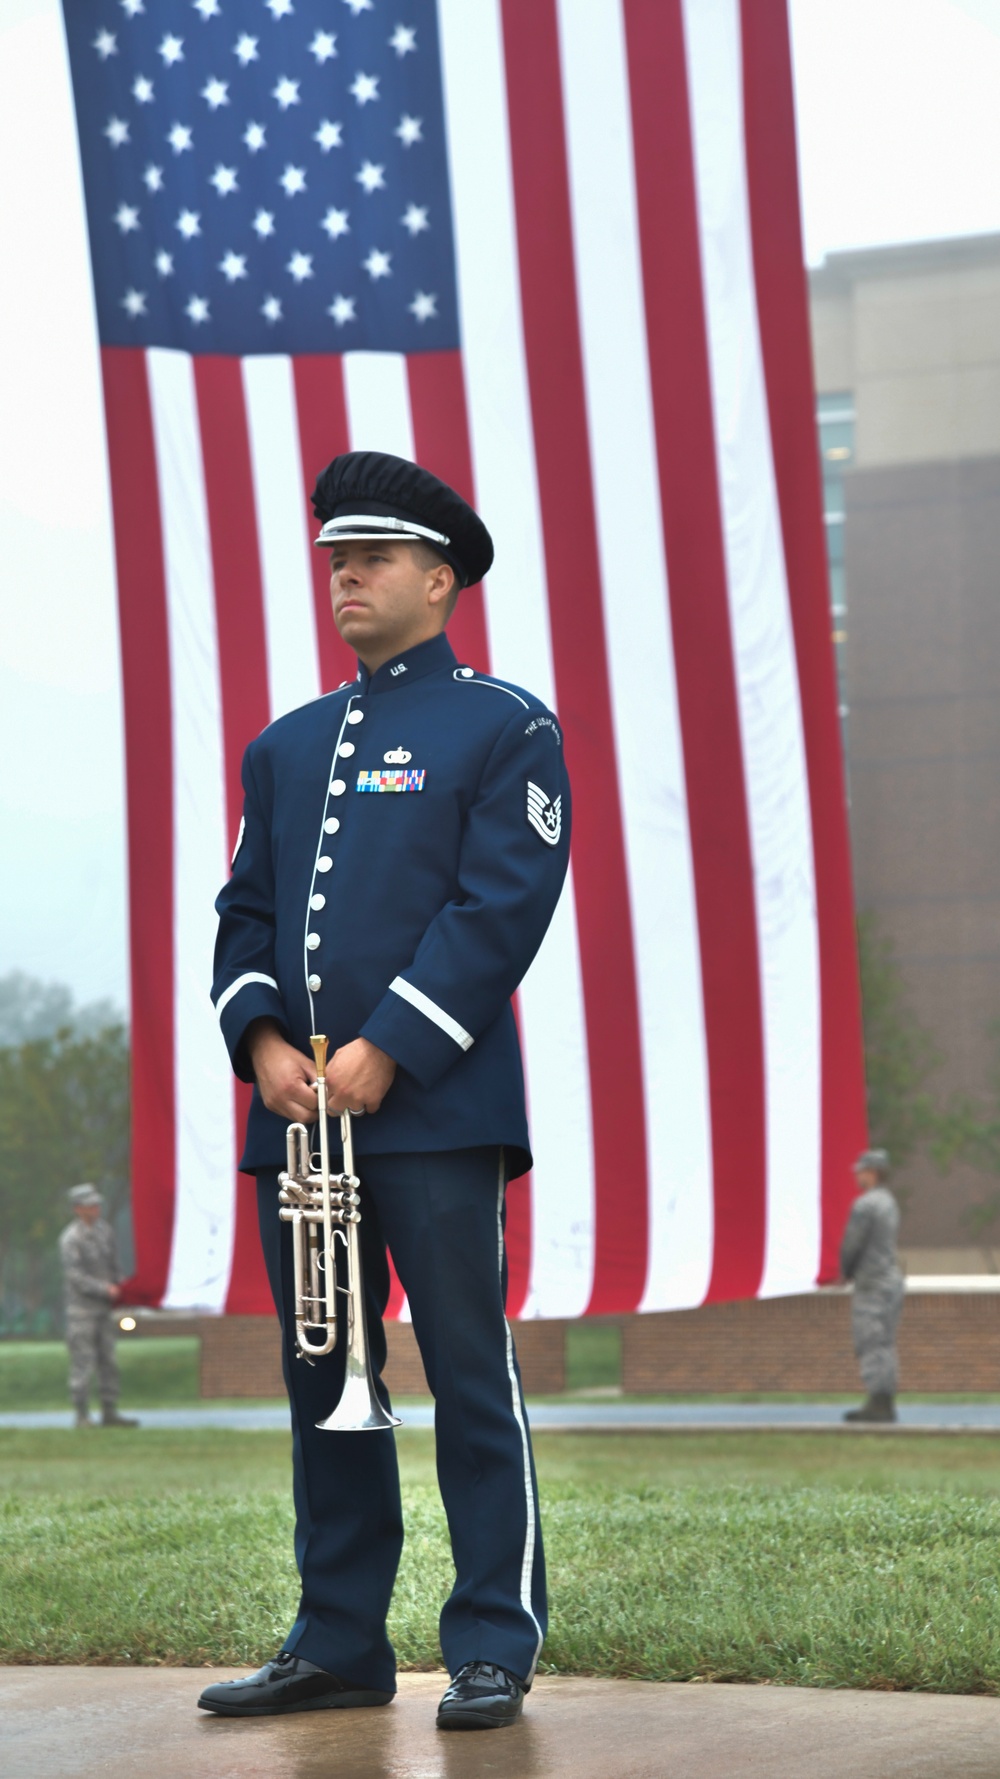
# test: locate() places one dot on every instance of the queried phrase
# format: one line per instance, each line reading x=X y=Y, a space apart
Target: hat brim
x=367 y=537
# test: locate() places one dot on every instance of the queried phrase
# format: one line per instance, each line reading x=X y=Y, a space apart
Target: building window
x=835 y=424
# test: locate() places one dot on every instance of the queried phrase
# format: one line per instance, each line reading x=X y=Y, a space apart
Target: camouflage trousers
x=874 y=1320
x=90 y=1337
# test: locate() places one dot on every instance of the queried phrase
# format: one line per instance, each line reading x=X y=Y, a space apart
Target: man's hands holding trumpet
x=358 y=1075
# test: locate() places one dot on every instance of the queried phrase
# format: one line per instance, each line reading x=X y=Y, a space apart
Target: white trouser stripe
x=431 y=1010
x=528 y=1559
x=241 y=982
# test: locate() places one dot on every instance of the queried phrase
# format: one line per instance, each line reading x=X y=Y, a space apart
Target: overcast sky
x=899 y=133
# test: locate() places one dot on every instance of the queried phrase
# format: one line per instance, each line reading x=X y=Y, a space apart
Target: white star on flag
x=335 y=223
x=245 y=48
x=164 y=263
x=293 y=179
x=134 y=302
x=270 y=308
x=378 y=264
x=409 y=130
x=224 y=180
x=365 y=88
x=370 y=177
x=300 y=266
x=197 y=310
x=116 y=131
x=263 y=223
x=215 y=93
x=403 y=40
x=279 y=9
x=342 y=310
x=423 y=306
x=189 y=224
x=286 y=92
x=131 y=7
x=152 y=179
x=328 y=135
x=233 y=266
x=172 y=50
x=357 y=6
x=127 y=218
x=323 y=46
x=142 y=90
x=209 y=9
x=415 y=218
x=179 y=137
x=255 y=137
x=106 y=44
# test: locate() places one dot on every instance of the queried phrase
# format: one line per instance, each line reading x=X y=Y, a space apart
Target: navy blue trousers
x=441 y=1216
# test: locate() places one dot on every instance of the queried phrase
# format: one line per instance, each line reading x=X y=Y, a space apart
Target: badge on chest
x=392 y=779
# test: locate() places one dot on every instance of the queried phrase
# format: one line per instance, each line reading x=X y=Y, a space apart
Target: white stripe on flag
x=377 y=393
x=643 y=679
x=286 y=572
x=206 y=1147
x=553 y=1031
x=766 y=670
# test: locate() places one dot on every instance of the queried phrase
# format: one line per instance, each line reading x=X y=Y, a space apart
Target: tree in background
x=64 y=1117
x=905 y=1116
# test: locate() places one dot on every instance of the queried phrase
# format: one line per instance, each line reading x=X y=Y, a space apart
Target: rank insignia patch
x=391 y=781
x=544 y=815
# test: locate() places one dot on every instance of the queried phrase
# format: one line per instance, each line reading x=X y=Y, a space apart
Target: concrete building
x=907 y=355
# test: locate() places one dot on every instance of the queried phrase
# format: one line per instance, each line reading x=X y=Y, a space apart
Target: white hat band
x=359 y=525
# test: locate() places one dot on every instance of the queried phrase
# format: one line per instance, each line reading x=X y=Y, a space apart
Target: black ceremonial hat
x=370 y=494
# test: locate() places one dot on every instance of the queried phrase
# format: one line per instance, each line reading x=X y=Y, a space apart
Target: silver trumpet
x=322 y=1208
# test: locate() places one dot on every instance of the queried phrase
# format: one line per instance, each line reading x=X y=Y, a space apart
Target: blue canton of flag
x=265 y=175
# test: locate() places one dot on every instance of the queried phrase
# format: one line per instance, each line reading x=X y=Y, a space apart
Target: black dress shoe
x=289 y=1683
x=481 y=1697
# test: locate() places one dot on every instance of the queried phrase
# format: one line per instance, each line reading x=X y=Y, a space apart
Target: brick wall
x=240 y=1356
x=948 y=1340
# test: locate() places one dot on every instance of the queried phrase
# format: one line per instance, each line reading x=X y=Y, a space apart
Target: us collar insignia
x=396 y=780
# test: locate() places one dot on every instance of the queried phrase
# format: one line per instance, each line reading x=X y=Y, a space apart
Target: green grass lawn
x=782 y=1558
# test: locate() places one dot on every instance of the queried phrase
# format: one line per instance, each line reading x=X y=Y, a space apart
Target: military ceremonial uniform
x=90 y=1264
x=404 y=844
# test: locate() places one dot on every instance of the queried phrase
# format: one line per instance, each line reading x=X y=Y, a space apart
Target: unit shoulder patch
x=544 y=814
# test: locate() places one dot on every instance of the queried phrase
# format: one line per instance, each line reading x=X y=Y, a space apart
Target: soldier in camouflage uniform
x=91 y=1278
x=868 y=1258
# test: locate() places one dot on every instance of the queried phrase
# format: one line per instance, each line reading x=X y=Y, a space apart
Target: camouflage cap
x=84 y=1195
x=874 y=1161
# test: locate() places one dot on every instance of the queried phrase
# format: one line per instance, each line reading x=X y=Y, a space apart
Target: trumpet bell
x=359 y=1409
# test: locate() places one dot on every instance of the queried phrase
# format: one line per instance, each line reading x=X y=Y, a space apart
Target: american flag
x=550 y=249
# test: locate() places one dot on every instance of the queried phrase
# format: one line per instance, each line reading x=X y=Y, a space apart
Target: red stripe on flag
x=323 y=433
x=782 y=307
x=706 y=681
x=442 y=444
x=239 y=616
x=142 y=604
x=555 y=373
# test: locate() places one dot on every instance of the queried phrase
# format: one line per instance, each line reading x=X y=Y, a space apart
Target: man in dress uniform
x=403 y=847
x=91 y=1281
x=868 y=1258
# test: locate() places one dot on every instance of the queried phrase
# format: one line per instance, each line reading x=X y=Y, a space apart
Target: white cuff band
x=241 y=982
x=432 y=1011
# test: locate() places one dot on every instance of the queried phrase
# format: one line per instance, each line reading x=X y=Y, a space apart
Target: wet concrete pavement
x=121 y=1723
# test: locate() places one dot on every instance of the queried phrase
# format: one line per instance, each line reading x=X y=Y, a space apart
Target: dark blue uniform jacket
x=404 y=843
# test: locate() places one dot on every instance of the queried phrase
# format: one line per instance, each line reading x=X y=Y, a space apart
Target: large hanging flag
x=550 y=249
